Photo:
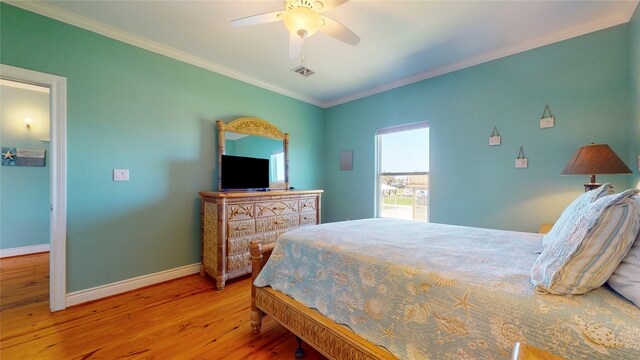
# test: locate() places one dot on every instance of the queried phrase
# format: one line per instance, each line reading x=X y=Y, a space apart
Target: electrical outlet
x=120 y=174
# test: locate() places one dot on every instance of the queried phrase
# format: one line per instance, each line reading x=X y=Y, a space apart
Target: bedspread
x=433 y=291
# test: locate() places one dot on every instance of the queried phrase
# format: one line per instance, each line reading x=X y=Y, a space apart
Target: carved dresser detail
x=231 y=220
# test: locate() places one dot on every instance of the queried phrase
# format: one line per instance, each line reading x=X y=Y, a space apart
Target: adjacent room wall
x=634 y=63
x=24 y=190
x=129 y=108
x=584 y=81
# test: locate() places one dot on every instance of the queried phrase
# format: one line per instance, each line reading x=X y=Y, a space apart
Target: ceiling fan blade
x=295 y=46
x=339 y=31
x=258 y=19
x=330 y=4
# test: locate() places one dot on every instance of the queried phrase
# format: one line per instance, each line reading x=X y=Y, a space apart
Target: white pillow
x=584 y=255
x=626 y=278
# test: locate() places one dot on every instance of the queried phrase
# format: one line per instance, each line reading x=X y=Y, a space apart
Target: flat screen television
x=239 y=172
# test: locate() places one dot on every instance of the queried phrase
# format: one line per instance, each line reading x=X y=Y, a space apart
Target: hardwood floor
x=24 y=280
x=184 y=318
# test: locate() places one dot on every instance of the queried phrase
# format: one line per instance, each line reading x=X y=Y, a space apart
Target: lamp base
x=590 y=186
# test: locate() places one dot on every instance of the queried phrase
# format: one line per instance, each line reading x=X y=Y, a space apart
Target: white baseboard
x=82 y=296
x=24 y=250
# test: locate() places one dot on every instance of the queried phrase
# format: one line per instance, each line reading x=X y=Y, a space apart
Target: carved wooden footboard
x=331 y=339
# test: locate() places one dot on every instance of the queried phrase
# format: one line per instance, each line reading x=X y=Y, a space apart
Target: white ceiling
x=402 y=41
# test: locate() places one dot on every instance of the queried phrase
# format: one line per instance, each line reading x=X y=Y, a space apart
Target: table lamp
x=595 y=159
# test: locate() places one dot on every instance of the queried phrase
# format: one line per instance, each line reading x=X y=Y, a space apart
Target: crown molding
x=120 y=35
x=489 y=56
x=80 y=21
x=24 y=86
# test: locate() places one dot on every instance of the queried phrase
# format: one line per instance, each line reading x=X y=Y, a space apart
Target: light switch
x=120 y=174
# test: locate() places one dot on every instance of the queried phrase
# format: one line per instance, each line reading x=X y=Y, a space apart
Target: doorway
x=24 y=190
x=57 y=159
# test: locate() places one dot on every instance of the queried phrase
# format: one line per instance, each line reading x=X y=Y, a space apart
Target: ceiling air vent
x=303 y=71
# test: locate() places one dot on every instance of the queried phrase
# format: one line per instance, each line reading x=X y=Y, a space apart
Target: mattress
x=434 y=291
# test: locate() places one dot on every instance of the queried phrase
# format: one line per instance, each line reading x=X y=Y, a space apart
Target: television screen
x=239 y=172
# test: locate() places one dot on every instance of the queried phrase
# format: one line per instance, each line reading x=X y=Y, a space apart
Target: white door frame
x=58 y=156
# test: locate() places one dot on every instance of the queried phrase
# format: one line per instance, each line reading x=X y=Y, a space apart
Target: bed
x=385 y=289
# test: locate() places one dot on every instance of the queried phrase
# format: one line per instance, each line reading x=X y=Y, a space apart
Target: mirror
x=257 y=138
x=258 y=147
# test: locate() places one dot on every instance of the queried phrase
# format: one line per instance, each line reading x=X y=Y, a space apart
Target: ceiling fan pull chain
x=303 y=53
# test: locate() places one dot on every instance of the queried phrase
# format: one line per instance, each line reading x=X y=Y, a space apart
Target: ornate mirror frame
x=256 y=127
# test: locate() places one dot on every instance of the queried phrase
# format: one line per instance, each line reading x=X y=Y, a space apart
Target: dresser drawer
x=241 y=227
x=307 y=205
x=277 y=222
x=240 y=211
x=241 y=244
x=239 y=261
x=273 y=208
x=308 y=218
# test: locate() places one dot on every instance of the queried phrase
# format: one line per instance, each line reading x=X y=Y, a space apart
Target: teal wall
x=133 y=109
x=254 y=146
x=24 y=190
x=634 y=62
x=583 y=80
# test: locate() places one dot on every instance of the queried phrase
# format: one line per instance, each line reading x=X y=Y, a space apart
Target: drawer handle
x=278 y=208
x=277 y=222
x=237 y=228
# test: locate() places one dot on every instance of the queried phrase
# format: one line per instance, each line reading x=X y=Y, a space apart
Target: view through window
x=403 y=172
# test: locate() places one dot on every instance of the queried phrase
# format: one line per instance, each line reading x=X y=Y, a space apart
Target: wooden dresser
x=231 y=220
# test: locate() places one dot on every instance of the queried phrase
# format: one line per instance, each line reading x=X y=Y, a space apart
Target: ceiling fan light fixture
x=302 y=21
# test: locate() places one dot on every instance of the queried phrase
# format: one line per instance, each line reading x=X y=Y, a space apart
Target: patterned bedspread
x=432 y=291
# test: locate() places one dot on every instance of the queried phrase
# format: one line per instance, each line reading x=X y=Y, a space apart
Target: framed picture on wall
x=346 y=160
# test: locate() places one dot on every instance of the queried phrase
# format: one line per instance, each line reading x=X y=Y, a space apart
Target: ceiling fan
x=302 y=18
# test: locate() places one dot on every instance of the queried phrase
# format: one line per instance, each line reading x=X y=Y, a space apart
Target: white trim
x=86 y=23
x=74 y=19
x=99 y=292
x=24 y=250
x=19 y=85
x=403 y=127
x=58 y=156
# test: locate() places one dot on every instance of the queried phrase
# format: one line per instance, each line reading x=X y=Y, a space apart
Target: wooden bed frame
x=328 y=337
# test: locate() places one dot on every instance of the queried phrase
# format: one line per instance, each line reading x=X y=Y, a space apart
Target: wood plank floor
x=184 y=318
x=24 y=280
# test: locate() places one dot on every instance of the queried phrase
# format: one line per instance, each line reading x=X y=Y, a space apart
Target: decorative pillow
x=585 y=254
x=626 y=278
x=567 y=218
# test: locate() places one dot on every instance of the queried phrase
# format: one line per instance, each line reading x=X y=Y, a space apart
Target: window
x=403 y=172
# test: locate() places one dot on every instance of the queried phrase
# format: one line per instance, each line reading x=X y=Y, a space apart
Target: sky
x=406 y=151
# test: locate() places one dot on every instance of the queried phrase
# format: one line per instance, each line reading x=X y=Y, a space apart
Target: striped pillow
x=585 y=253
x=568 y=216
x=626 y=278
